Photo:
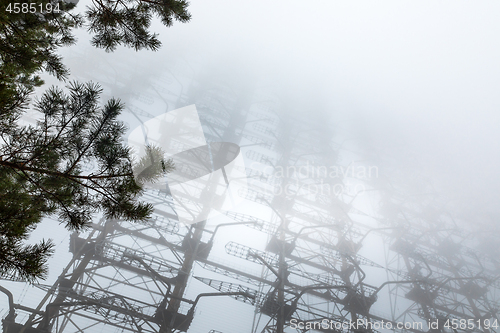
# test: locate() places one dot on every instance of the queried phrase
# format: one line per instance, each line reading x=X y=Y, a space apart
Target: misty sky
x=415 y=81
x=417 y=78
x=412 y=82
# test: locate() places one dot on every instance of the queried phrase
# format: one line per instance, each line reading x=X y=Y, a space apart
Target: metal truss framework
x=317 y=264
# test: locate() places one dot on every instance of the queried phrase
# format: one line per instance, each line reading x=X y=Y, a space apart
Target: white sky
x=416 y=80
x=418 y=76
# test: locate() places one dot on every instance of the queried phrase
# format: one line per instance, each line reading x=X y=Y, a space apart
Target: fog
x=410 y=88
x=417 y=81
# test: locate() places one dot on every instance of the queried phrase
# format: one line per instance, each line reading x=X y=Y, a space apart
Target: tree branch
x=22 y=167
x=91 y=140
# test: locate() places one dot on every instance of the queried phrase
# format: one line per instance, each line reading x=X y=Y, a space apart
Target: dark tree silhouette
x=42 y=167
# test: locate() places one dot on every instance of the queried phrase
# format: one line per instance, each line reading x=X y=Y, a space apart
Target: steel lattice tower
x=320 y=251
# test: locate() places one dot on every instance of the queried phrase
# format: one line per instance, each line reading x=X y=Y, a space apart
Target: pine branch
x=151 y=2
x=22 y=167
x=107 y=115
